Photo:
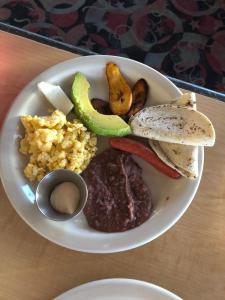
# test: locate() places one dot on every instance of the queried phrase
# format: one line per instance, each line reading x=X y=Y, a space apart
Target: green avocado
x=107 y=125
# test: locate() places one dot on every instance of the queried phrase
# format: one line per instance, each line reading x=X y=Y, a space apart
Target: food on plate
x=173 y=124
x=52 y=142
x=187 y=99
x=108 y=125
x=144 y=152
x=101 y=106
x=140 y=94
x=120 y=94
x=118 y=198
x=65 y=198
x=182 y=158
x=56 y=96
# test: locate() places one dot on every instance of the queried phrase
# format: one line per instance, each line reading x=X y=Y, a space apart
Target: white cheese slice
x=56 y=96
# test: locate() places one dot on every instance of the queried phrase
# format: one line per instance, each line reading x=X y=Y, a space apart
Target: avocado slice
x=107 y=125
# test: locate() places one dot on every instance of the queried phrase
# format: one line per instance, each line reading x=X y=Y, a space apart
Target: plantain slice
x=140 y=94
x=120 y=94
x=101 y=106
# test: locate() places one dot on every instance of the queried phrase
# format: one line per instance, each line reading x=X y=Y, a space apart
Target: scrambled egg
x=54 y=143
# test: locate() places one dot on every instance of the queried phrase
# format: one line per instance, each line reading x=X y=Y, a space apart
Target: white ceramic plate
x=76 y=234
x=118 y=289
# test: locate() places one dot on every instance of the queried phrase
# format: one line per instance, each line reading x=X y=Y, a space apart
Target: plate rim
x=18 y=100
x=116 y=281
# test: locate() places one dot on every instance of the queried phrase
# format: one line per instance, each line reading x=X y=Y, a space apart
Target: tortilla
x=187 y=99
x=174 y=124
x=182 y=158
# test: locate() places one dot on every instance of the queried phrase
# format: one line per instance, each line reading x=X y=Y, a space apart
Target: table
x=188 y=260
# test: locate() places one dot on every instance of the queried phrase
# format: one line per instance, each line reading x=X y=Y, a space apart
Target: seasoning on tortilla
x=174 y=124
x=182 y=158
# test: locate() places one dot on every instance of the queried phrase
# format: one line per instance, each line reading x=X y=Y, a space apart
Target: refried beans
x=118 y=198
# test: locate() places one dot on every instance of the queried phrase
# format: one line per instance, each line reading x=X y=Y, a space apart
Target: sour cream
x=65 y=198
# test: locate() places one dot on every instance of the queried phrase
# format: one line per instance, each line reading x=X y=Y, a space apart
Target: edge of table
x=82 y=51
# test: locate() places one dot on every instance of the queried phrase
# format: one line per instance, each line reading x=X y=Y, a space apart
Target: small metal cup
x=47 y=185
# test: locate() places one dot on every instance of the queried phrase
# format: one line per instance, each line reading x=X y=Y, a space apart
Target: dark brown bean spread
x=118 y=198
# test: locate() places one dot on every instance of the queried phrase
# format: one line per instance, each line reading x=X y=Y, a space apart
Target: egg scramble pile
x=52 y=143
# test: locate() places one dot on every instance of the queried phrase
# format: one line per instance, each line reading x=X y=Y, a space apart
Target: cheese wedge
x=56 y=96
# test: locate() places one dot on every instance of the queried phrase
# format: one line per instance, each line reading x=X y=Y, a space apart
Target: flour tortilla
x=182 y=158
x=174 y=124
x=187 y=100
